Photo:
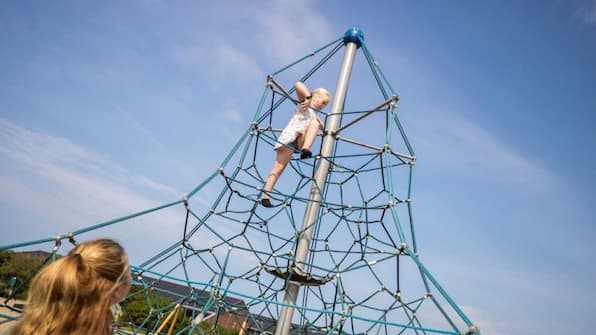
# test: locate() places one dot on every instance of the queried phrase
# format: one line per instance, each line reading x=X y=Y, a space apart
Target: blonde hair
x=321 y=92
x=72 y=296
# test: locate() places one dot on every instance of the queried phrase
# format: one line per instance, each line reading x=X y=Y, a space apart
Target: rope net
x=228 y=269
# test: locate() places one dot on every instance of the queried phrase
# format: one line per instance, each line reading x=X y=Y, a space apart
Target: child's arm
x=301 y=91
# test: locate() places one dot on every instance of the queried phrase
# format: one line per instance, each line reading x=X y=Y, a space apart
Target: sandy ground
x=4 y=325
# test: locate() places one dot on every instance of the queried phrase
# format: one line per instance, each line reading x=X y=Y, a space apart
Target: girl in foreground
x=73 y=295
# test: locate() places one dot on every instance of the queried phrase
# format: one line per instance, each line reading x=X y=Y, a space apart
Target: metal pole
x=352 y=40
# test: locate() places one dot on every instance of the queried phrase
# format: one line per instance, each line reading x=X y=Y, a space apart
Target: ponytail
x=72 y=296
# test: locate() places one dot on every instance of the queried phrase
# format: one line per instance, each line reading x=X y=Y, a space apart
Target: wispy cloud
x=587 y=12
x=521 y=289
x=485 y=323
x=290 y=29
x=459 y=143
x=282 y=30
x=77 y=186
x=480 y=319
x=219 y=60
x=232 y=113
x=123 y=117
x=136 y=129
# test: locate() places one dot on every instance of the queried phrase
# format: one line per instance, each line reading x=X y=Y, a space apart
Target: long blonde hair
x=72 y=296
x=323 y=93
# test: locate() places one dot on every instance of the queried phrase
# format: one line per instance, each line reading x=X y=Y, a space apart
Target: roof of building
x=177 y=291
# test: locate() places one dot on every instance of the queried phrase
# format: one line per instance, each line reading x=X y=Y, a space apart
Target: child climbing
x=301 y=131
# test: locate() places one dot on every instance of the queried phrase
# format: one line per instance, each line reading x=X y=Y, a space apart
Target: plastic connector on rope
x=185 y=201
x=71 y=239
x=474 y=330
x=57 y=243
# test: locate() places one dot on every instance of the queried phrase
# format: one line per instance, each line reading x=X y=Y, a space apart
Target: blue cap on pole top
x=354 y=35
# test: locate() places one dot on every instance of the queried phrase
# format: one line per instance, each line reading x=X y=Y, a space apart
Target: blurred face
x=125 y=284
x=318 y=101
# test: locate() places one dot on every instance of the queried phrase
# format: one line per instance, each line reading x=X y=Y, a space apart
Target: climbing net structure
x=234 y=260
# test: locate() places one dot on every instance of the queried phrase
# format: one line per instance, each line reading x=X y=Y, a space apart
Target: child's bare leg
x=282 y=158
x=306 y=140
x=310 y=134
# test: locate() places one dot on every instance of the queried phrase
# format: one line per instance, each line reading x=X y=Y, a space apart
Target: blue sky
x=107 y=108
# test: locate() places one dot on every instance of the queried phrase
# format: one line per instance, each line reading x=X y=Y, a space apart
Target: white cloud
x=459 y=143
x=485 y=323
x=232 y=113
x=587 y=12
x=479 y=319
x=283 y=30
x=165 y=189
x=124 y=118
x=70 y=185
x=521 y=288
x=219 y=60
x=291 y=29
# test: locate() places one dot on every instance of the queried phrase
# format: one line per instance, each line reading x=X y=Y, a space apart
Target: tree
x=140 y=308
x=22 y=267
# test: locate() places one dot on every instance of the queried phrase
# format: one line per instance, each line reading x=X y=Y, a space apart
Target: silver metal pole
x=310 y=214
